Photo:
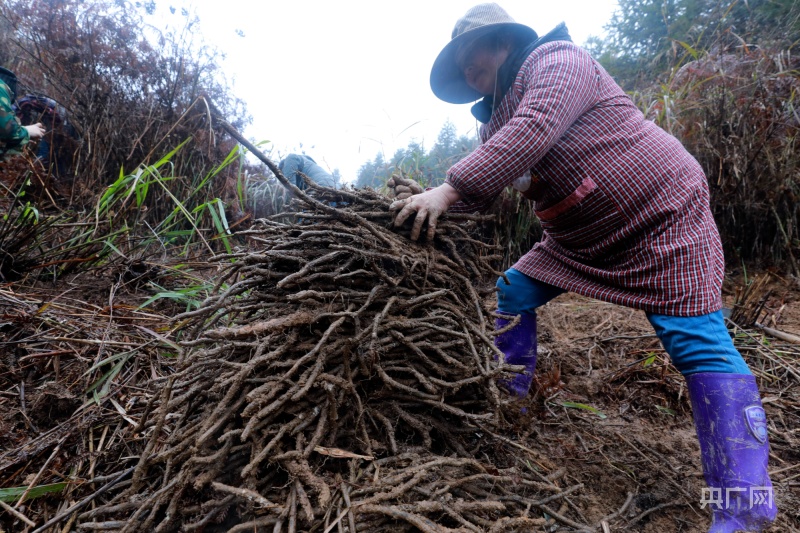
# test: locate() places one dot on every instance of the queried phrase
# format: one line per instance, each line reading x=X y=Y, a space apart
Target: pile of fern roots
x=341 y=378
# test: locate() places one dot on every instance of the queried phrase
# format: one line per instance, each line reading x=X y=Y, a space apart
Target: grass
x=49 y=245
x=196 y=216
x=13 y=494
x=191 y=296
x=583 y=407
x=151 y=216
x=196 y=220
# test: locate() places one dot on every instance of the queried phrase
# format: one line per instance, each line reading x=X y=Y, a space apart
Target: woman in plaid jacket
x=626 y=219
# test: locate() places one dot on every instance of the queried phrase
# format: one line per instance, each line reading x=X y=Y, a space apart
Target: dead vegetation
x=340 y=377
x=736 y=113
x=338 y=373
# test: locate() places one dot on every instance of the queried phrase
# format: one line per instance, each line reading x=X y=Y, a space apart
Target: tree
x=651 y=37
x=337 y=177
x=448 y=150
x=372 y=173
x=130 y=91
x=428 y=168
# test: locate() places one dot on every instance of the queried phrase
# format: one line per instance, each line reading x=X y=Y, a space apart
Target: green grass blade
x=689 y=49
x=105 y=381
x=583 y=406
x=221 y=224
x=107 y=199
x=164 y=160
x=107 y=360
x=223 y=218
x=11 y=495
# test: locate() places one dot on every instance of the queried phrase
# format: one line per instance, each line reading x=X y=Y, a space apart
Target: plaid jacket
x=12 y=135
x=624 y=207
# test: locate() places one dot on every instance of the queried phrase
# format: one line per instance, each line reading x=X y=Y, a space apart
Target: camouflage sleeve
x=12 y=134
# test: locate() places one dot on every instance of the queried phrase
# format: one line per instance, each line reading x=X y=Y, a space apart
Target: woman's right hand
x=35 y=131
x=428 y=205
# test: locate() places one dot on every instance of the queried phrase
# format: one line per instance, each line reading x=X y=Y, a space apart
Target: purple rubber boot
x=732 y=429
x=519 y=346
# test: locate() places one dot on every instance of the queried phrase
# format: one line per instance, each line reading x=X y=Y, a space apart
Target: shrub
x=130 y=91
x=737 y=113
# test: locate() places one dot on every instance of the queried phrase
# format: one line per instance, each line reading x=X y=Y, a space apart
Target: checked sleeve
x=557 y=83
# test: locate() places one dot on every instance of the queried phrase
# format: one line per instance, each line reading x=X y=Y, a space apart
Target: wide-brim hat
x=447 y=81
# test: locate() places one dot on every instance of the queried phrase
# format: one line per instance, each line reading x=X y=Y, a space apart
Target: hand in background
x=35 y=131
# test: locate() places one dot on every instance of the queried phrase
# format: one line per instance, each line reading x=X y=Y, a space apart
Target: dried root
x=335 y=380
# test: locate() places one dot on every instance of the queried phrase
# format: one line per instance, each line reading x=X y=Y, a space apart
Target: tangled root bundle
x=341 y=376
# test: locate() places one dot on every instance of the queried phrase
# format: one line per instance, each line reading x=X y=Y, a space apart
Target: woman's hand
x=428 y=205
x=35 y=131
x=401 y=188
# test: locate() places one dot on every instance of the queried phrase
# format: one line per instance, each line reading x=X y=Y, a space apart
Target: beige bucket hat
x=447 y=81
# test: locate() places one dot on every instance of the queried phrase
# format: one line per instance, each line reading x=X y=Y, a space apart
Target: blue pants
x=54 y=164
x=694 y=343
x=294 y=163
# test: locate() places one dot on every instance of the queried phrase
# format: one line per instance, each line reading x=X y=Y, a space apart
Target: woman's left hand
x=428 y=205
x=401 y=188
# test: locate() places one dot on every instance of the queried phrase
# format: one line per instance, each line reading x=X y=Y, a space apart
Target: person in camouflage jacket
x=13 y=135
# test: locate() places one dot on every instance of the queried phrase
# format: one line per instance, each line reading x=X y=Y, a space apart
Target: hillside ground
x=608 y=410
x=641 y=440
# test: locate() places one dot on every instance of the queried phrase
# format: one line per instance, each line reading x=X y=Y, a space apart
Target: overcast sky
x=345 y=80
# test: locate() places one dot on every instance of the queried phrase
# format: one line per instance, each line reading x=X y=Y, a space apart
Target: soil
x=607 y=407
